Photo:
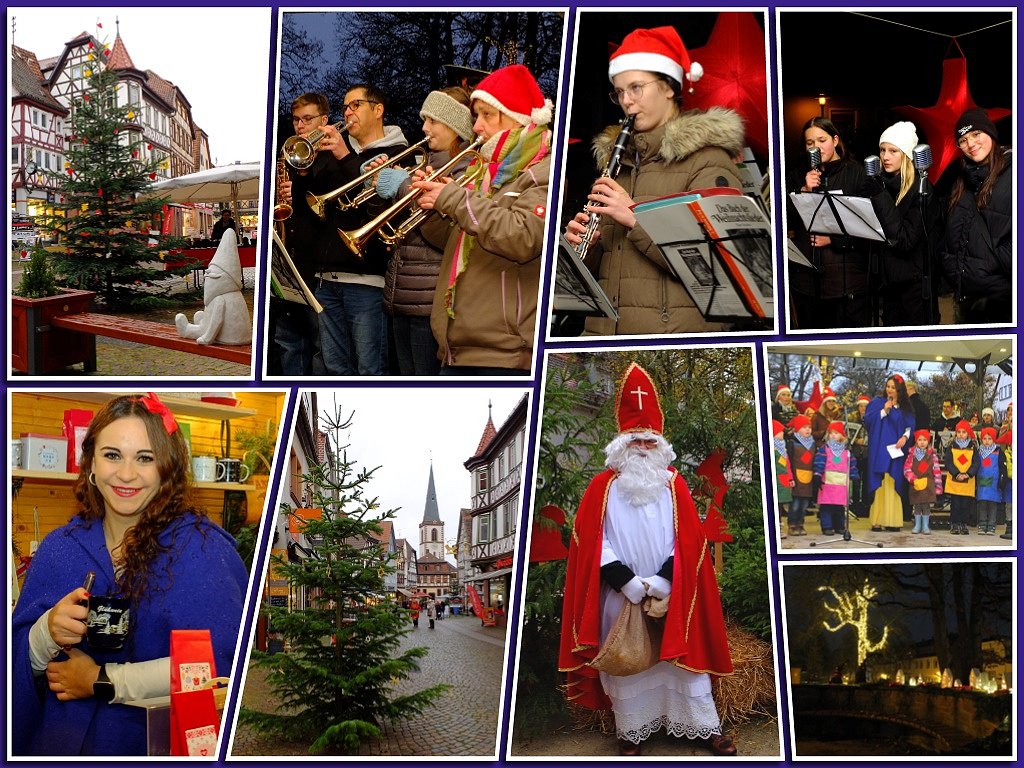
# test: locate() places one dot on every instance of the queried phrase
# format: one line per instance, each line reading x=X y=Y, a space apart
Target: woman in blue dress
x=889 y=420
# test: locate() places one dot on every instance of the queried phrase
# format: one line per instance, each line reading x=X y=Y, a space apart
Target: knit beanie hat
x=777 y=428
x=966 y=426
x=443 y=108
x=798 y=422
x=513 y=91
x=988 y=412
x=837 y=426
x=925 y=433
x=658 y=50
x=902 y=134
x=975 y=120
x=989 y=432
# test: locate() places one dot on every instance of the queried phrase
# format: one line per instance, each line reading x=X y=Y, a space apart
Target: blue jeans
x=798 y=510
x=353 y=329
x=415 y=346
x=296 y=335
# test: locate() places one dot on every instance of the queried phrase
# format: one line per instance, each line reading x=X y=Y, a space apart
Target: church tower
x=432 y=527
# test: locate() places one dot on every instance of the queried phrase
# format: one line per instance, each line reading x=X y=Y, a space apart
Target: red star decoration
x=938 y=122
x=734 y=75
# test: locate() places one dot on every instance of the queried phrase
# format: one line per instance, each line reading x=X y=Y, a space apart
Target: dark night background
x=869 y=66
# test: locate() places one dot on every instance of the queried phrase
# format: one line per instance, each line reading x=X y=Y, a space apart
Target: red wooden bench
x=145 y=332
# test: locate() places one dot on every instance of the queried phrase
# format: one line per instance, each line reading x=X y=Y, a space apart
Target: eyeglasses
x=635 y=91
x=356 y=104
x=300 y=120
x=973 y=136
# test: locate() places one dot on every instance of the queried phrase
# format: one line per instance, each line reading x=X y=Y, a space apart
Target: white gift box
x=46 y=453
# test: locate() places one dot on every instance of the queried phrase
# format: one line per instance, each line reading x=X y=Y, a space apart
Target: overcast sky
x=218 y=57
x=400 y=429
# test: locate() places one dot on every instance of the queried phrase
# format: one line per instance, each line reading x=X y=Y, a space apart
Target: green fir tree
x=38 y=280
x=336 y=685
x=104 y=228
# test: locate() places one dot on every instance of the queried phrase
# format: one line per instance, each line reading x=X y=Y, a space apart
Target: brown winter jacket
x=694 y=150
x=496 y=297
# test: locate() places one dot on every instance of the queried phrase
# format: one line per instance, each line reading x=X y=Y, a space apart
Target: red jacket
x=694 y=637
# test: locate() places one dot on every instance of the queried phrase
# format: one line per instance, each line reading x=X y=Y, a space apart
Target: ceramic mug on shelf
x=206 y=469
x=232 y=471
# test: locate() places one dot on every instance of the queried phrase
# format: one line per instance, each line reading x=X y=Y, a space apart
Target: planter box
x=37 y=347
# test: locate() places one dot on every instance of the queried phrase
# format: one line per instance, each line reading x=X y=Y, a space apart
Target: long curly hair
x=902 y=396
x=173 y=499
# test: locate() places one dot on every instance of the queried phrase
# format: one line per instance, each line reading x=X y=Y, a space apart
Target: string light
x=852 y=610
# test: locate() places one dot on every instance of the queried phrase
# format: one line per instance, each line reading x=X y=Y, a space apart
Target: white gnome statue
x=226 y=317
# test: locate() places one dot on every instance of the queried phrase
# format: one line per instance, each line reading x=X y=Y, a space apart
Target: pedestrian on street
x=415 y=610
x=431 y=612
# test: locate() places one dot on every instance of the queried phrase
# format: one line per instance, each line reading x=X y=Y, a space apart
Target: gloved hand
x=816 y=484
x=658 y=587
x=634 y=590
x=389 y=180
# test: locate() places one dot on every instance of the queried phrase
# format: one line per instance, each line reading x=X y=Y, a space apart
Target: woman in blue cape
x=139 y=533
x=889 y=420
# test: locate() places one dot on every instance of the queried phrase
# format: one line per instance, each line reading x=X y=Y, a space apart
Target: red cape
x=694 y=636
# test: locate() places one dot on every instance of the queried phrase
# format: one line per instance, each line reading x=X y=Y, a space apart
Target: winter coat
x=411 y=275
x=374 y=257
x=844 y=267
x=495 y=307
x=977 y=255
x=694 y=150
x=912 y=235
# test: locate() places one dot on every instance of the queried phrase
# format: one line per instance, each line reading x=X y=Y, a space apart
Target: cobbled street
x=462 y=722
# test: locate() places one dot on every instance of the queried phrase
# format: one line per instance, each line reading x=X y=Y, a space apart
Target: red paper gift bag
x=194 y=723
x=192 y=664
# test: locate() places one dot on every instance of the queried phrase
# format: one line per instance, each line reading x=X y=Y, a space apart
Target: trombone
x=356 y=239
x=300 y=151
x=318 y=203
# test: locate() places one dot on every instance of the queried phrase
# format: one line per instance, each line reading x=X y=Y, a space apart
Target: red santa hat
x=863 y=399
x=513 y=91
x=798 y=422
x=837 y=426
x=636 y=405
x=659 y=50
x=965 y=425
x=827 y=395
x=990 y=431
x=925 y=433
x=777 y=428
x=782 y=390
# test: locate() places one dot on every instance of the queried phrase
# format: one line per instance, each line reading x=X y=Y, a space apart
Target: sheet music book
x=285 y=281
x=576 y=290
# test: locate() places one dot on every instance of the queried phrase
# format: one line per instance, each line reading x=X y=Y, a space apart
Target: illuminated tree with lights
x=851 y=610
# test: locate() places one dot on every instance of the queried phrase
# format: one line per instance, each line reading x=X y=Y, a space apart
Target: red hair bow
x=153 y=405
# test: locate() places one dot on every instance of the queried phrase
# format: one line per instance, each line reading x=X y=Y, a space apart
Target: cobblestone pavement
x=462 y=722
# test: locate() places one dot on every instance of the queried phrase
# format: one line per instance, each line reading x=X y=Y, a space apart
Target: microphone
x=872 y=166
x=922 y=155
x=814 y=155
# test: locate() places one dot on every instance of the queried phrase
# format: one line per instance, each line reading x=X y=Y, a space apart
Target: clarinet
x=610 y=171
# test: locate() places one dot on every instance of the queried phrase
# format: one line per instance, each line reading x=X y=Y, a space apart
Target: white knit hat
x=903 y=135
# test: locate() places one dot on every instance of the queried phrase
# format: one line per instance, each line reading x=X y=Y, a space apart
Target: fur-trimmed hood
x=689 y=132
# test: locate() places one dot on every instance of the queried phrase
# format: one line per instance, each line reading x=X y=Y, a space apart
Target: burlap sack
x=634 y=642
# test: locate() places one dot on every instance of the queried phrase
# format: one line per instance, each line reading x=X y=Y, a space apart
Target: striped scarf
x=514 y=151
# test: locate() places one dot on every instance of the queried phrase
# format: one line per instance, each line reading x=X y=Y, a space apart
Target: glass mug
x=206 y=469
x=232 y=471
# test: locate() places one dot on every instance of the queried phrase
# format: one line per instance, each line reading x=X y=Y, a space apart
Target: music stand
x=576 y=290
x=845 y=536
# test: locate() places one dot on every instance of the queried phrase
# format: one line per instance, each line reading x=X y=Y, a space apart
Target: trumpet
x=318 y=203
x=356 y=239
x=300 y=151
x=282 y=208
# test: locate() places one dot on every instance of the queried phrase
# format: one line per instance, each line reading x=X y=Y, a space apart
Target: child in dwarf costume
x=637 y=534
x=783 y=475
x=990 y=481
x=925 y=479
x=834 y=468
x=961 y=467
x=801 y=460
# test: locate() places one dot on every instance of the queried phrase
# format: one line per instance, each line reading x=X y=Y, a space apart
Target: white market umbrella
x=240 y=181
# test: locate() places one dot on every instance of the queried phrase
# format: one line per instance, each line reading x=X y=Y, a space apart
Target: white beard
x=642 y=473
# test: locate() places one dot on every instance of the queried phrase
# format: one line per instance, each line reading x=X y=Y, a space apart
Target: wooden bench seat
x=146 y=332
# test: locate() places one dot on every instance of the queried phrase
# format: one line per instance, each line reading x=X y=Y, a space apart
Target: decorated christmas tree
x=104 y=230
x=337 y=683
